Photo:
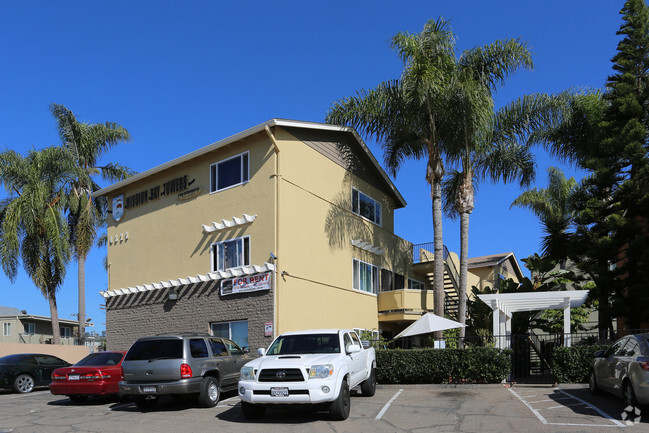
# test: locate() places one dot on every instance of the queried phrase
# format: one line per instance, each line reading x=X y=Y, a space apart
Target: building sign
x=251 y=283
x=154 y=193
x=268 y=329
x=118 y=207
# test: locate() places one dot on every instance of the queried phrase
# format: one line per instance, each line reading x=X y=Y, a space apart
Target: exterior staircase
x=423 y=254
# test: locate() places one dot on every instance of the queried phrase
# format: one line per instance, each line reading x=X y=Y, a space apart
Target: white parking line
x=387 y=405
x=615 y=422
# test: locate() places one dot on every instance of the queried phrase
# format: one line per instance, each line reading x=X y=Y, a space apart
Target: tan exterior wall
x=72 y=354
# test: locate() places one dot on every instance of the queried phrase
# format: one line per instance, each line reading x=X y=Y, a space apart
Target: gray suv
x=181 y=364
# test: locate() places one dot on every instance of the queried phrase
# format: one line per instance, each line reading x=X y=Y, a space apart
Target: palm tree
x=32 y=222
x=87 y=143
x=554 y=206
x=434 y=109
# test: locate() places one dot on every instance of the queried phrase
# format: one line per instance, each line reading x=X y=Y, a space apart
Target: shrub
x=572 y=364
x=471 y=365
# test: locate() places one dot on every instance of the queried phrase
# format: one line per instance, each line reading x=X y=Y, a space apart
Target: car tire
x=339 y=409
x=629 y=395
x=368 y=387
x=252 y=411
x=592 y=383
x=78 y=398
x=24 y=383
x=210 y=392
x=146 y=402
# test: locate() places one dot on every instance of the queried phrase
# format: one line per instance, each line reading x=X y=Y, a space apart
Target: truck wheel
x=210 y=392
x=368 y=387
x=146 y=402
x=252 y=411
x=339 y=409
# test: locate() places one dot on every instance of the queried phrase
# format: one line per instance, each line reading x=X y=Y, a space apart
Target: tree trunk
x=464 y=257
x=438 y=278
x=81 y=281
x=54 y=314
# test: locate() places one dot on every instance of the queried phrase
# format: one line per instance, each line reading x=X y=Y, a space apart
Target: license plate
x=73 y=377
x=279 y=392
x=149 y=389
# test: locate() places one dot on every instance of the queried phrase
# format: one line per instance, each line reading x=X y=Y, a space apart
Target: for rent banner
x=249 y=283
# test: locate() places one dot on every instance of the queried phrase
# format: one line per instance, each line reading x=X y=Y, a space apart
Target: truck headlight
x=321 y=371
x=247 y=373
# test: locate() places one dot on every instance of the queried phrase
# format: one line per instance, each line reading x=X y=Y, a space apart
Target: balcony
x=44 y=339
x=403 y=304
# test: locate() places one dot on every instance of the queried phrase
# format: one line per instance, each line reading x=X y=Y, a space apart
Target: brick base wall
x=129 y=317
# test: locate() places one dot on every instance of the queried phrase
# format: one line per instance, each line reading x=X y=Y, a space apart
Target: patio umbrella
x=429 y=323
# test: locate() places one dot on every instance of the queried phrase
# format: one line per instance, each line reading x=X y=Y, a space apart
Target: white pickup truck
x=308 y=367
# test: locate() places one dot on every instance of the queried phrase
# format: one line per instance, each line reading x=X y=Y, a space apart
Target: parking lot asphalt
x=394 y=408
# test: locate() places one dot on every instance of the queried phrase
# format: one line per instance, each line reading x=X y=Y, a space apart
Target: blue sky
x=181 y=75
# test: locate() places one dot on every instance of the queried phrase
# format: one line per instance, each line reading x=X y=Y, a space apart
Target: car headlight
x=321 y=371
x=247 y=373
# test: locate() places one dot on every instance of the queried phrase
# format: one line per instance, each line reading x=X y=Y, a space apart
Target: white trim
x=229 y=223
x=243 y=253
x=364 y=245
x=376 y=283
x=212 y=276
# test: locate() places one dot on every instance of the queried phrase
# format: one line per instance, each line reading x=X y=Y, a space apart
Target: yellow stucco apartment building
x=287 y=225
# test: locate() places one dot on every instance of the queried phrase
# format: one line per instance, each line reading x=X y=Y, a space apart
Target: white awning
x=225 y=224
x=212 y=276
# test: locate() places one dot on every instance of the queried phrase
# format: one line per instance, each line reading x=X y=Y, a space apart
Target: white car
x=308 y=367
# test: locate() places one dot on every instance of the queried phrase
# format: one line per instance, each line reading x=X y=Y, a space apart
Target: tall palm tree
x=554 y=206
x=33 y=228
x=495 y=150
x=87 y=144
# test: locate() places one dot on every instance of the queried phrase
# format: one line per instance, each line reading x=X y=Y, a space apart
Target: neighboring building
x=20 y=327
x=287 y=225
x=489 y=271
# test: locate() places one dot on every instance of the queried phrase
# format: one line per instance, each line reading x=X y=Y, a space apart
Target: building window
x=30 y=328
x=235 y=331
x=366 y=206
x=230 y=172
x=391 y=281
x=415 y=285
x=6 y=329
x=366 y=277
x=231 y=254
x=66 y=332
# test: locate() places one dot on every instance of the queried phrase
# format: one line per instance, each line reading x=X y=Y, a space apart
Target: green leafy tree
x=33 y=227
x=87 y=144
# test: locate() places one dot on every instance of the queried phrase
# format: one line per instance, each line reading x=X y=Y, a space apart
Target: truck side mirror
x=353 y=348
x=261 y=351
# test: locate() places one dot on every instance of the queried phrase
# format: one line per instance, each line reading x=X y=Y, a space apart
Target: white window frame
x=31 y=328
x=245 y=258
x=214 y=172
x=6 y=329
x=374 y=279
x=378 y=207
x=66 y=331
x=412 y=280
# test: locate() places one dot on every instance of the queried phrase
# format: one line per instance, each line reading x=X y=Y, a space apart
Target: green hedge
x=471 y=365
x=572 y=364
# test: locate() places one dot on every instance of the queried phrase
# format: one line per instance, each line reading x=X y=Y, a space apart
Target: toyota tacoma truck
x=316 y=367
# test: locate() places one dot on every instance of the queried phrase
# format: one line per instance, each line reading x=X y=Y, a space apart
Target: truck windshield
x=299 y=344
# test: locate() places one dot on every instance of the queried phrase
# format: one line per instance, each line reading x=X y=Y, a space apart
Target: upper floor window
x=65 y=332
x=366 y=277
x=6 y=329
x=391 y=280
x=366 y=206
x=229 y=172
x=231 y=254
x=30 y=328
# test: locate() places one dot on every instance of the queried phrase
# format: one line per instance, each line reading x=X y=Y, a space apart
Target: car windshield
x=101 y=358
x=312 y=343
x=155 y=349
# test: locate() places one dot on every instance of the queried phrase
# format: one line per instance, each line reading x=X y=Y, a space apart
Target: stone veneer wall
x=129 y=317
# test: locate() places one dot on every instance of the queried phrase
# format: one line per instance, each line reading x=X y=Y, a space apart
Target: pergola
x=505 y=304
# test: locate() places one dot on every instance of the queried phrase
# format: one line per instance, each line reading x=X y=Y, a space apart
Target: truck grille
x=281 y=375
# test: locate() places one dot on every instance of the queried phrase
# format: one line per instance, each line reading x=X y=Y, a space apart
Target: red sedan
x=96 y=374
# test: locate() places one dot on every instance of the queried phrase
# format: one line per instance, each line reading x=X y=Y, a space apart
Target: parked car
x=316 y=367
x=25 y=371
x=623 y=370
x=182 y=364
x=96 y=374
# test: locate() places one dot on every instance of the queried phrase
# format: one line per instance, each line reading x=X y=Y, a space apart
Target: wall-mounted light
x=273 y=257
x=172 y=295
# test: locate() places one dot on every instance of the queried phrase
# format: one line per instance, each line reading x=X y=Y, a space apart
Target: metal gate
x=532 y=357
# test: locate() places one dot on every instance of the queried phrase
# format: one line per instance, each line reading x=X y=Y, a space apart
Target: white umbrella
x=429 y=323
